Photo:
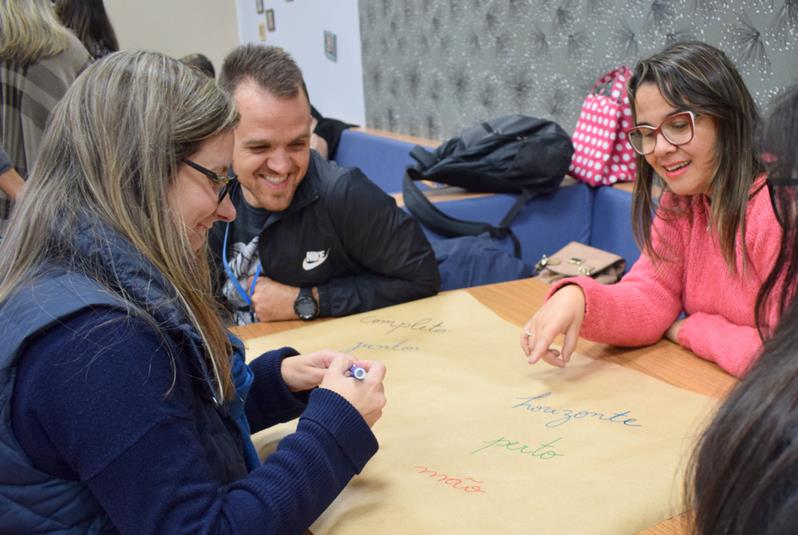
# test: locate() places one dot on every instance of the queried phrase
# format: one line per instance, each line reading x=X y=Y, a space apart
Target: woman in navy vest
x=124 y=404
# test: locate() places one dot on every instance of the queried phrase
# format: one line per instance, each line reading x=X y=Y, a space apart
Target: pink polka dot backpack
x=602 y=154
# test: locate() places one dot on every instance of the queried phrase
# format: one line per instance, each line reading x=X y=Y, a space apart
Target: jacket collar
x=118 y=265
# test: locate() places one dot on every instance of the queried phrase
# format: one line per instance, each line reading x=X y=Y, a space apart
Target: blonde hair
x=30 y=30
x=110 y=154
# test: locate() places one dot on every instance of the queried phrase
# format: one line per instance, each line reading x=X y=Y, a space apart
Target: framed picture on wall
x=259 y=6
x=270 y=20
x=330 y=46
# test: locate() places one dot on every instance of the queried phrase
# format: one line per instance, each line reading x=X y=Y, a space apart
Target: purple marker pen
x=358 y=372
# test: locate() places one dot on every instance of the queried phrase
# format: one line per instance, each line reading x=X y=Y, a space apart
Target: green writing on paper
x=563 y=416
x=398 y=346
x=455 y=483
x=424 y=324
x=543 y=451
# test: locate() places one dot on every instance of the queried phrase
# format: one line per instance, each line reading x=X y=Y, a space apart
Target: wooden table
x=515 y=301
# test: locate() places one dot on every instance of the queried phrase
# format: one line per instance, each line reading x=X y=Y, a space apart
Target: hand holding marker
x=358 y=372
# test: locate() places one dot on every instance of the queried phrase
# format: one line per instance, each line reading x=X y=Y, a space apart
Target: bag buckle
x=546 y=261
x=582 y=268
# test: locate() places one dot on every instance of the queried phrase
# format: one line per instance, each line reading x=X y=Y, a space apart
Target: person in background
x=744 y=473
x=311 y=238
x=326 y=133
x=89 y=21
x=201 y=63
x=39 y=59
x=125 y=406
x=708 y=245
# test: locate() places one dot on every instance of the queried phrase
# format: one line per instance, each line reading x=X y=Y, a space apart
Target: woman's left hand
x=303 y=372
x=672 y=333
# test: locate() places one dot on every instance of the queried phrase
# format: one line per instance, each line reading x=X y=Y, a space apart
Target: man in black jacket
x=311 y=238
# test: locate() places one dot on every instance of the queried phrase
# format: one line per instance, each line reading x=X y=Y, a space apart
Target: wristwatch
x=305 y=305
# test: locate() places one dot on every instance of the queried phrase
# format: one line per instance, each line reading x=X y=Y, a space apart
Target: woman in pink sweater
x=710 y=241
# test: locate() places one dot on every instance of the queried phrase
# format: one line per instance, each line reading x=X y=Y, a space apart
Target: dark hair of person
x=270 y=67
x=201 y=63
x=743 y=477
x=779 y=144
x=695 y=76
x=90 y=22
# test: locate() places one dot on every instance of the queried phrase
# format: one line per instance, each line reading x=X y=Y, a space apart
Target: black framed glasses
x=227 y=181
x=677 y=129
x=784 y=198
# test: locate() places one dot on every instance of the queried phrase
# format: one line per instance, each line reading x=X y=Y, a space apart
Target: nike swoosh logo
x=314 y=259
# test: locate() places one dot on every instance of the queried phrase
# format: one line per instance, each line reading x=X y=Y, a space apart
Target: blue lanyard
x=247 y=296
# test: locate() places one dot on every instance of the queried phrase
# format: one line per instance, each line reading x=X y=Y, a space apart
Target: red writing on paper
x=456 y=483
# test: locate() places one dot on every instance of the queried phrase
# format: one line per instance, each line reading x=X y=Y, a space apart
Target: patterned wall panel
x=433 y=67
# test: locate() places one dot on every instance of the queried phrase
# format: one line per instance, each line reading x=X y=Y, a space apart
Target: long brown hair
x=110 y=154
x=778 y=141
x=90 y=23
x=695 y=76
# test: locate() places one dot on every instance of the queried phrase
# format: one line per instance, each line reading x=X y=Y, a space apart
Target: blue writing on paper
x=564 y=416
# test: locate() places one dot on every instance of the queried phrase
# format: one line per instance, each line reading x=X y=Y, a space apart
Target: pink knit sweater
x=693 y=277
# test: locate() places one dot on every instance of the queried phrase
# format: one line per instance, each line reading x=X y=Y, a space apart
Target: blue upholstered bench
x=611 y=226
x=543 y=226
x=382 y=159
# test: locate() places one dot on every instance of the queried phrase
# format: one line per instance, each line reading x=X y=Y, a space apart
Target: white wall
x=176 y=27
x=335 y=87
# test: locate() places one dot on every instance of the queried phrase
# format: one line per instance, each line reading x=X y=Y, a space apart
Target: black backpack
x=512 y=154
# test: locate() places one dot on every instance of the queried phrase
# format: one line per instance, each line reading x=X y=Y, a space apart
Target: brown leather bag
x=577 y=259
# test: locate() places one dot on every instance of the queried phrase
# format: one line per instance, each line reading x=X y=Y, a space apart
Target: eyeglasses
x=784 y=198
x=227 y=182
x=676 y=129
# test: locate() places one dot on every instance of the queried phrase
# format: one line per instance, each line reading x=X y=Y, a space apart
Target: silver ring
x=528 y=333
